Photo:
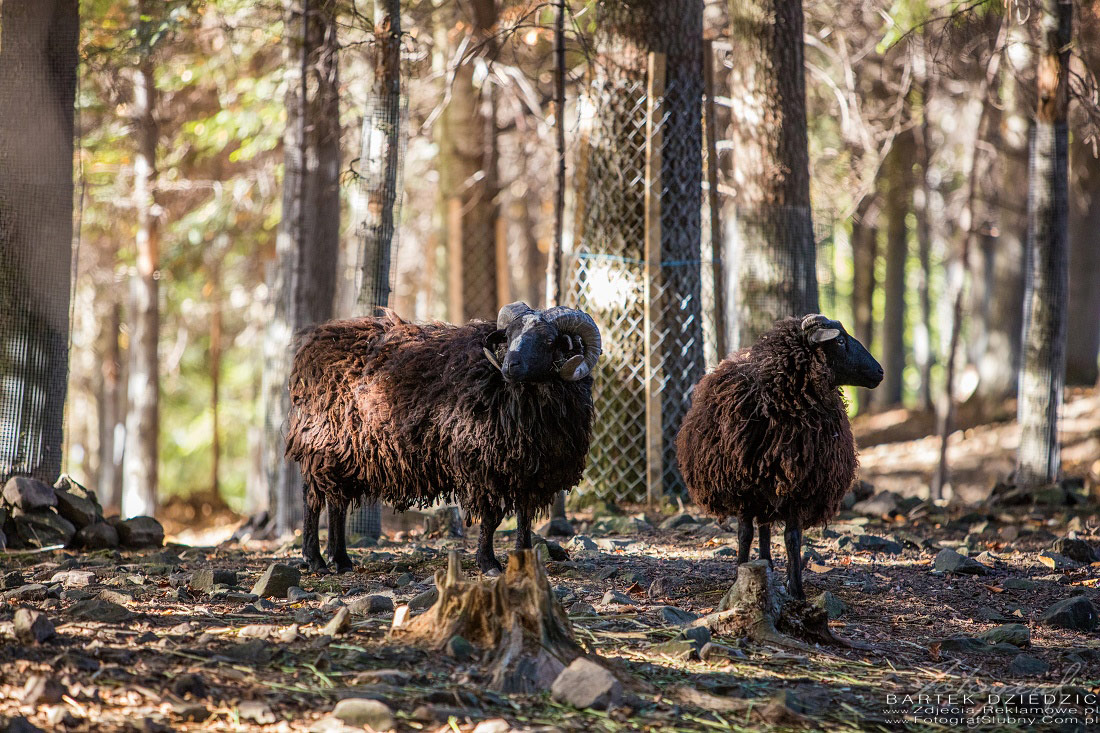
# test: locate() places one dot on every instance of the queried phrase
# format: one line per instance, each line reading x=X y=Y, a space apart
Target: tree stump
x=516 y=619
x=759 y=608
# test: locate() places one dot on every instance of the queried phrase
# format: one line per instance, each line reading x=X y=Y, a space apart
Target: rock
x=1015 y=634
x=585 y=684
x=258 y=631
x=677 y=520
x=42 y=690
x=697 y=635
x=371 y=604
x=717 y=653
x=1076 y=613
x=582 y=542
x=833 y=606
x=949 y=561
x=29 y=592
x=138 y=532
x=1024 y=584
x=622 y=525
x=1057 y=562
x=190 y=684
x=884 y=503
x=78 y=510
x=493 y=725
x=19 y=724
x=679 y=649
x=256 y=711
x=615 y=598
x=1025 y=665
x=971 y=645
x=1075 y=549
x=99 y=610
x=339 y=623
x=43 y=528
x=726 y=551
x=674 y=616
x=97 y=536
x=294 y=594
x=32 y=626
x=74 y=578
x=870 y=543
x=204 y=579
x=276 y=580
x=661 y=587
x=557 y=527
x=553 y=550
x=29 y=494
x=460 y=649
x=580 y=608
x=253 y=651
x=362 y=712
x=425 y=600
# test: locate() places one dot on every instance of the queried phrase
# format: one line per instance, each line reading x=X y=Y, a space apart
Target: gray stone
x=256 y=711
x=78 y=510
x=43 y=528
x=1025 y=665
x=204 y=579
x=681 y=649
x=97 y=536
x=725 y=551
x=32 y=626
x=677 y=520
x=622 y=525
x=362 y=712
x=553 y=550
x=717 y=653
x=425 y=600
x=460 y=649
x=374 y=603
x=1015 y=634
x=883 y=503
x=582 y=542
x=870 y=543
x=834 y=607
x=949 y=561
x=1024 y=584
x=557 y=527
x=98 y=609
x=339 y=623
x=139 y=532
x=585 y=684
x=1076 y=613
x=294 y=594
x=580 y=608
x=1057 y=562
x=276 y=580
x=29 y=592
x=74 y=578
x=29 y=494
x=258 y=631
x=1075 y=549
x=698 y=635
x=615 y=598
x=676 y=616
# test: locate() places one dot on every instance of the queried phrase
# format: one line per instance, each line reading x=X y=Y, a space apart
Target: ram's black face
x=532 y=347
x=851 y=363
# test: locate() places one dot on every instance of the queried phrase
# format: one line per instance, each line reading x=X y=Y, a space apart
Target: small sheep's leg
x=486 y=559
x=792 y=538
x=338 y=537
x=744 y=538
x=766 y=544
x=311 y=545
x=523 y=529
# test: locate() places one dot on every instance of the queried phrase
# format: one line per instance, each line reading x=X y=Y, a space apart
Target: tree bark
x=38 y=61
x=769 y=240
x=108 y=487
x=1045 y=305
x=1084 y=267
x=864 y=253
x=139 y=463
x=467 y=162
x=897 y=204
x=308 y=241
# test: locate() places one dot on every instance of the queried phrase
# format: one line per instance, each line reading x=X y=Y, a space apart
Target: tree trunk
x=308 y=242
x=1045 y=301
x=38 y=60
x=769 y=239
x=109 y=484
x=864 y=253
x=896 y=206
x=215 y=374
x=467 y=161
x=139 y=463
x=1084 y=267
x=923 y=351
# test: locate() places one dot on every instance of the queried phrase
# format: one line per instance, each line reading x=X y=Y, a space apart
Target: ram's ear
x=822 y=335
x=496 y=338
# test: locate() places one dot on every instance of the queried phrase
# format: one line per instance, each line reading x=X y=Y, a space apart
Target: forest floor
x=137 y=649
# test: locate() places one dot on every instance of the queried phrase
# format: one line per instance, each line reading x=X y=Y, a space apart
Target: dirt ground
x=136 y=650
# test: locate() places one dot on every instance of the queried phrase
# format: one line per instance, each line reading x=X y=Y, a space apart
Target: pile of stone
x=34 y=514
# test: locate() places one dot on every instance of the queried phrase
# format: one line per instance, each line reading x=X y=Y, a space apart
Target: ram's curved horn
x=581 y=326
x=813 y=319
x=511 y=312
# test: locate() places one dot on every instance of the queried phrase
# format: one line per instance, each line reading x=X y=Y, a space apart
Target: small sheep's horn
x=580 y=325
x=511 y=312
x=813 y=319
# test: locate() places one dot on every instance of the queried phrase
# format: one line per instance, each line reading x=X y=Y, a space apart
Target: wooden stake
x=654 y=414
x=709 y=138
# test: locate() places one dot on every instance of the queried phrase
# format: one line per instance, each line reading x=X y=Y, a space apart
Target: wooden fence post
x=714 y=207
x=654 y=376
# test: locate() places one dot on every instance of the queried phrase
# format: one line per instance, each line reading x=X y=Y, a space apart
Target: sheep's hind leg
x=338 y=538
x=766 y=544
x=486 y=559
x=523 y=529
x=311 y=545
x=792 y=538
x=744 y=538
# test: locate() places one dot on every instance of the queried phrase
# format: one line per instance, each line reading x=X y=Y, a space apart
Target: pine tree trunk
x=139 y=466
x=108 y=487
x=308 y=242
x=896 y=206
x=1084 y=267
x=467 y=162
x=770 y=241
x=38 y=60
x=864 y=253
x=1045 y=305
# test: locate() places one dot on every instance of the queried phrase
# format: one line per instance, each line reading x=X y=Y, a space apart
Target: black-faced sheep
x=767 y=437
x=496 y=417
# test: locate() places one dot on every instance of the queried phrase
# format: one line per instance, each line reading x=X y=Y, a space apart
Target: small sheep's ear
x=822 y=335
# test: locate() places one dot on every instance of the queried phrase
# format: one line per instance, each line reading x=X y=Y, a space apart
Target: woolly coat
x=383 y=409
x=767 y=436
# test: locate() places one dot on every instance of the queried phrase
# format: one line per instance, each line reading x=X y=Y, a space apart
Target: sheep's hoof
x=318 y=566
x=345 y=567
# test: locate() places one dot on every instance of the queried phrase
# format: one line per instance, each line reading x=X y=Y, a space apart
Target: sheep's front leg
x=338 y=538
x=523 y=529
x=792 y=538
x=766 y=544
x=744 y=538
x=311 y=545
x=486 y=559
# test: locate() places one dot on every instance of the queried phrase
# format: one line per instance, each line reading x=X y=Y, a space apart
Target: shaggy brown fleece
x=767 y=436
x=384 y=409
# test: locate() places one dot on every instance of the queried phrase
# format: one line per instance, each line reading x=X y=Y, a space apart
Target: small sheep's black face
x=533 y=347
x=851 y=363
